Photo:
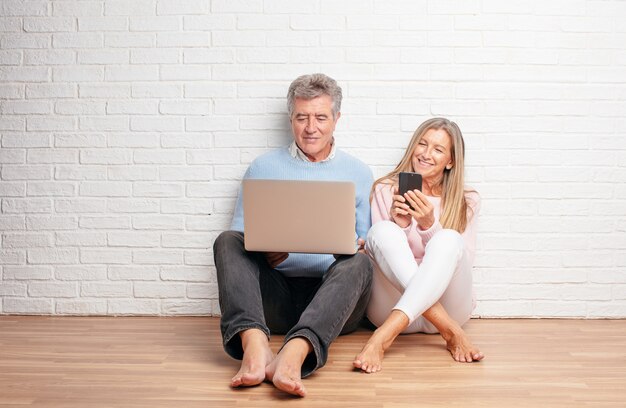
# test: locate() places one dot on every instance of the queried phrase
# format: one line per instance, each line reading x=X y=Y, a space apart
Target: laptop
x=299 y=216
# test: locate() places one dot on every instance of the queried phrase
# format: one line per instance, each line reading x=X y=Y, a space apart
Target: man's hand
x=275 y=258
x=361 y=244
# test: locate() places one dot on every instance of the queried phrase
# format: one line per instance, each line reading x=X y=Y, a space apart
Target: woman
x=423 y=245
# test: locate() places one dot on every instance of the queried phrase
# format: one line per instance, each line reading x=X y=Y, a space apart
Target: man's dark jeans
x=253 y=295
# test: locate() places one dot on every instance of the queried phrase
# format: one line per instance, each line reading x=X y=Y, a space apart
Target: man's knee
x=357 y=267
x=226 y=240
x=363 y=263
x=226 y=249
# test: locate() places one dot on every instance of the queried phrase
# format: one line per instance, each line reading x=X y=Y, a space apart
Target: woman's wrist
x=425 y=225
x=427 y=234
x=402 y=223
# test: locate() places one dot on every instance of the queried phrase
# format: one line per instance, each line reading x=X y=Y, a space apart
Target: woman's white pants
x=445 y=276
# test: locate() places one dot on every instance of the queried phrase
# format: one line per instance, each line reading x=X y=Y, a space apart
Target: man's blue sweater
x=280 y=165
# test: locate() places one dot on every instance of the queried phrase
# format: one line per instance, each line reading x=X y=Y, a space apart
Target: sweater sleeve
x=363 y=208
x=427 y=234
x=237 y=222
x=381 y=209
x=381 y=203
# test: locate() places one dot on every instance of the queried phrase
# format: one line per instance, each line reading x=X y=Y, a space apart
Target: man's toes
x=250 y=379
x=300 y=390
x=291 y=387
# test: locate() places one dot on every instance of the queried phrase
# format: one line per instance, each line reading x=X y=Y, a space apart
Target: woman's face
x=433 y=154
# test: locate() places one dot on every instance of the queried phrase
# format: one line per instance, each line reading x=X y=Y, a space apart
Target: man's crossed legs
x=256 y=300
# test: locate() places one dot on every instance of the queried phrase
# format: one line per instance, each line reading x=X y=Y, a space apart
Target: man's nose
x=310 y=126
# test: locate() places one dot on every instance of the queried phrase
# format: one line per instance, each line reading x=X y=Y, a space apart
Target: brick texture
x=125 y=127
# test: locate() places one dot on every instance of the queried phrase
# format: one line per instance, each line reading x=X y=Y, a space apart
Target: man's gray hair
x=311 y=86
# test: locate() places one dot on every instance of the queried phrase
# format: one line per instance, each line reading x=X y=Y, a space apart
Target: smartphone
x=409 y=181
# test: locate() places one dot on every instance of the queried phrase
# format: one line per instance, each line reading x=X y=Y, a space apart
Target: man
x=310 y=297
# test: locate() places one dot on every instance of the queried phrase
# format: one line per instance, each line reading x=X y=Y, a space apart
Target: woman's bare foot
x=461 y=348
x=257 y=355
x=285 y=371
x=370 y=359
x=457 y=342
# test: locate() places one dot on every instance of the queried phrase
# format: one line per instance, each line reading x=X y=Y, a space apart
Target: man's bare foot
x=285 y=371
x=461 y=348
x=370 y=359
x=257 y=355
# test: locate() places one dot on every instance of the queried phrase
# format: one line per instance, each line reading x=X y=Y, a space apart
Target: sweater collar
x=297 y=153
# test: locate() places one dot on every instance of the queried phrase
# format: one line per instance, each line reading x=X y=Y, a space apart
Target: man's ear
x=337 y=116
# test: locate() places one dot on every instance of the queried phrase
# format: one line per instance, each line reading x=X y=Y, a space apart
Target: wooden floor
x=179 y=362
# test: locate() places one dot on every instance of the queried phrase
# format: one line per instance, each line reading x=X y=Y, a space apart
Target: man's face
x=313 y=125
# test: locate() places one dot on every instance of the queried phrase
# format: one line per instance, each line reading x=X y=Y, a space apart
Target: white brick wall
x=125 y=127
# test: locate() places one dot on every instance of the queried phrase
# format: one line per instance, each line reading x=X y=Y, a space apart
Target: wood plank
x=179 y=361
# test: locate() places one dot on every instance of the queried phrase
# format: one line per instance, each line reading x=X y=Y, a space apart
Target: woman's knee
x=384 y=233
x=448 y=240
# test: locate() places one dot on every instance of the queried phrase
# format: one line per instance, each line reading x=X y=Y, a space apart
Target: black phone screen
x=409 y=181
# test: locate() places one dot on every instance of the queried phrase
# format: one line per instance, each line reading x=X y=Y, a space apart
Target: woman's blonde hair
x=454 y=206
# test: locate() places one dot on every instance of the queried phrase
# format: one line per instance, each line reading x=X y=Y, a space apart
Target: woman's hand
x=399 y=212
x=422 y=210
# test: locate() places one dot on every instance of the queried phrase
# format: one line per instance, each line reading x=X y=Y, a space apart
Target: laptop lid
x=299 y=216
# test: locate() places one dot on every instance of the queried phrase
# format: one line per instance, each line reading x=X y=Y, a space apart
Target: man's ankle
x=252 y=337
x=299 y=346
